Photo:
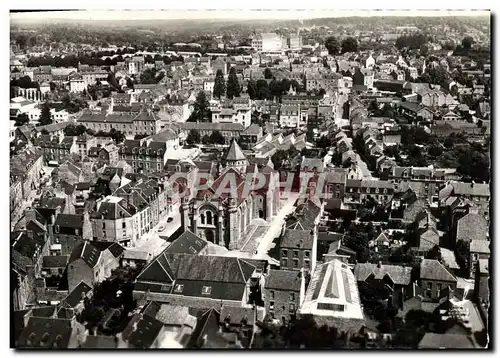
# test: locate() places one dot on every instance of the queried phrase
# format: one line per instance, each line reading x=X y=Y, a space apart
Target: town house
x=91 y=262
x=282 y=293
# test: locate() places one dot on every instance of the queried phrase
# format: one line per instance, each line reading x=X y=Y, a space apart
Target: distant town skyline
x=220 y=14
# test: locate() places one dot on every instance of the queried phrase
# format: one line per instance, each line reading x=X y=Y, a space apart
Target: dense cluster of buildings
x=326 y=231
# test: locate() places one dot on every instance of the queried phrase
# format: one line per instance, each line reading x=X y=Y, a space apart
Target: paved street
x=275 y=226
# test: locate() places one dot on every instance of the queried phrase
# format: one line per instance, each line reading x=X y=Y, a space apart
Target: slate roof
x=479 y=189
x=435 y=271
x=293 y=239
x=285 y=280
x=208 y=325
x=48 y=333
x=451 y=341
x=87 y=252
x=234 y=153
x=75 y=296
x=227 y=276
x=143 y=331
x=113 y=247
x=99 y=342
x=305 y=214
x=472 y=227
x=70 y=220
x=399 y=275
x=480 y=246
x=187 y=243
x=55 y=261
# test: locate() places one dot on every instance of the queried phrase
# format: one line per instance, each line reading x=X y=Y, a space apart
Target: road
x=275 y=226
x=152 y=242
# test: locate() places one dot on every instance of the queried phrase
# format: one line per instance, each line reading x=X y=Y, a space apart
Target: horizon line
x=233 y=14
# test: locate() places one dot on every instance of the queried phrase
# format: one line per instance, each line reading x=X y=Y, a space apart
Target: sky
x=228 y=14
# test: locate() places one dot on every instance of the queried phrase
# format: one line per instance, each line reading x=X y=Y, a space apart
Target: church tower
x=235 y=158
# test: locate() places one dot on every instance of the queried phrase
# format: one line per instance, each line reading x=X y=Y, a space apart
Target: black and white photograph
x=250 y=179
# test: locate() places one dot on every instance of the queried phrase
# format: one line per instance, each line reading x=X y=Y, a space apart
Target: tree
x=130 y=83
x=22 y=119
x=449 y=142
x=112 y=81
x=233 y=86
x=45 y=116
x=263 y=89
x=217 y=138
x=321 y=92
x=350 y=44
x=220 y=85
x=435 y=150
x=193 y=137
x=205 y=139
x=332 y=45
x=324 y=142
x=268 y=74
x=201 y=112
x=148 y=76
x=467 y=42
x=252 y=89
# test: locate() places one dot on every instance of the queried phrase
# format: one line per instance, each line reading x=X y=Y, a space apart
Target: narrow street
x=275 y=226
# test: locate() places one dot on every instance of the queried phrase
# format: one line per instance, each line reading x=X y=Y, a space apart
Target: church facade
x=224 y=219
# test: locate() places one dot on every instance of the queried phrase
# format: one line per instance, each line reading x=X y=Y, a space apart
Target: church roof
x=235 y=153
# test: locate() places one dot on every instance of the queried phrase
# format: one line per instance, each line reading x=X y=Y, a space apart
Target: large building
x=221 y=217
x=130 y=124
x=267 y=42
x=332 y=297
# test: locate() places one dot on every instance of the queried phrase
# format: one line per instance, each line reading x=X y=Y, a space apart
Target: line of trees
x=335 y=47
x=215 y=137
x=230 y=89
x=261 y=89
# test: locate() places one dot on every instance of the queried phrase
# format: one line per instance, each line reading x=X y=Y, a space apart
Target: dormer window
x=206 y=290
x=179 y=288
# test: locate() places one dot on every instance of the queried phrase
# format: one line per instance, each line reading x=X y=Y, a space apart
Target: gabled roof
x=435 y=271
x=87 y=252
x=187 y=243
x=75 y=296
x=295 y=239
x=399 y=275
x=70 y=220
x=285 y=280
x=43 y=332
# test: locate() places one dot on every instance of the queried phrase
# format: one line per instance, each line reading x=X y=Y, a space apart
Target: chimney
x=379 y=265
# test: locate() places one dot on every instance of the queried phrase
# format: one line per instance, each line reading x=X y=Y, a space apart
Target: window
x=178 y=288
x=284 y=253
x=295 y=263
x=271 y=305
x=295 y=253
x=284 y=262
x=429 y=285
x=206 y=290
x=77 y=232
x=209 y=217
x=57 y=228
x=165 y=287
x=292 y=307
x=271 y=295
x=202 y=218
x=307 y=263
x=292 y=296
x=124 y=225
x=307 y=253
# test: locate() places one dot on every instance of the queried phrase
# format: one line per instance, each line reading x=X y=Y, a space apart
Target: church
x=224 y=220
